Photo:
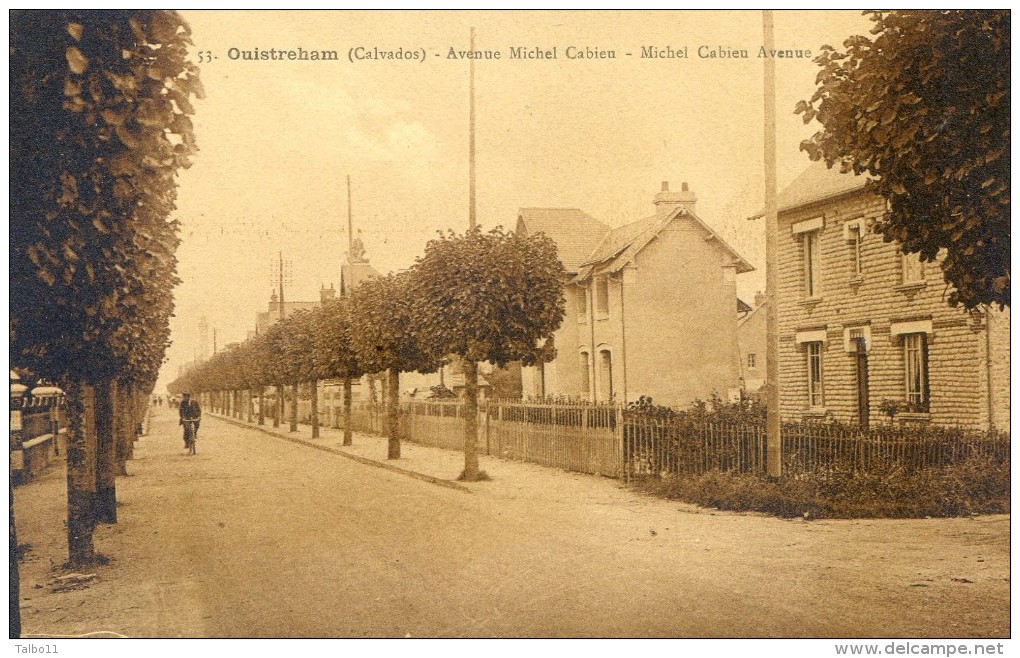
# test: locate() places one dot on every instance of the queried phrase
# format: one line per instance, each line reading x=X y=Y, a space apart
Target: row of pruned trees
x=99 y=127
x=491 y=296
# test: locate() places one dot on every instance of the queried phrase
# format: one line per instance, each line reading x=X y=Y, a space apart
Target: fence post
x=486 y=407
x=618 y=411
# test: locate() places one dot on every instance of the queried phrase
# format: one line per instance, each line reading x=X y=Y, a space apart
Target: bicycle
x=190 y=435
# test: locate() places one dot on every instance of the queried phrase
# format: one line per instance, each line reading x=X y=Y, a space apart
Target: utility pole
x=350 y=221
x=281 y=285
x=773 y=427
x=214 y=340
x=471 y=139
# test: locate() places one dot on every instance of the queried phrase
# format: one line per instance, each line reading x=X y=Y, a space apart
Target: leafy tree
x=924 y=108
x=336 y=354
x=299 y=362
x=99 y=128
x=495 y=297
x=384 y=336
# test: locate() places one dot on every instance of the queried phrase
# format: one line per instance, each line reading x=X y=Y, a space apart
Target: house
x=865 y=333
x=272 y=313
x=751 y=345
x=650 y=306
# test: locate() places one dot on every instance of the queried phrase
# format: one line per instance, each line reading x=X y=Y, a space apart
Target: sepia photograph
x=550 y=324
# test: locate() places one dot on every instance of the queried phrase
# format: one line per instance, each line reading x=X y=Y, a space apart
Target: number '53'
x=205 y=56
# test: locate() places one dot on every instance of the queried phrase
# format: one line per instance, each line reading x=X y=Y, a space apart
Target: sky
x=278 y=138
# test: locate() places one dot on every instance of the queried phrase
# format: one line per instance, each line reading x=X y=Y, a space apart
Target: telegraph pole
x=471 y=139
x=350 y=221
x=773 y=427
x=281 y=285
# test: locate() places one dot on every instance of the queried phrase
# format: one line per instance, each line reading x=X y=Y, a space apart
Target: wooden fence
x=582 y=438
x=607 y=440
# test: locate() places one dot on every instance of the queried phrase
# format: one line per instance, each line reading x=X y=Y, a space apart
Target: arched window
x=605 y=375
x=585 y=363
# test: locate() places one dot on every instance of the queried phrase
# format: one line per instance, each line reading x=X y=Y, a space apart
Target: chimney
x=759 y=299
x=667 y=202
x=326 y=294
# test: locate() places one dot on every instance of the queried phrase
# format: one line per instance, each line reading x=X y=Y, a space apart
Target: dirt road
x=258 y=537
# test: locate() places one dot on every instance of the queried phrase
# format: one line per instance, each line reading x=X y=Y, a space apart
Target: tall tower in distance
x=203 y=339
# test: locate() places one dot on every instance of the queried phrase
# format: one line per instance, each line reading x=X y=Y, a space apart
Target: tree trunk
x=393 y=413
x=471 y=472
x=293 y=407
x=81 y=472
x=248 y=405
x=315 y=408
x=348 y=439
x=279 y=406
x=106 y=454
x=14 y=581
x=121 y=438
x=262 y=405
x=131 y=429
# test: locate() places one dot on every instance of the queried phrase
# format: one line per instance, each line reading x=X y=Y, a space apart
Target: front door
x=862 y=382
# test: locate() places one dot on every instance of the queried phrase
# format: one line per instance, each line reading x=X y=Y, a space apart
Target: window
x=750 y=360
x=602 y=295
x=606 y=379
x=814 y=371
x=855 y=237
x=913 y=268
x=915 y=358
x=582 y=303
x=585 y=375
x=812 y=264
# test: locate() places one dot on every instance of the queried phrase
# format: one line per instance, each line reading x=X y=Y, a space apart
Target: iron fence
x=603 y=439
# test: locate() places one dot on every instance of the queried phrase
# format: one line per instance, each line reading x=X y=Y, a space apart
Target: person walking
x=191 y=415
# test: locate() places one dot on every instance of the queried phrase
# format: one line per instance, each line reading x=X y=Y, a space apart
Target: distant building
x=650 y=306
x=272 y=314
x=864 y=328
x=751 y=342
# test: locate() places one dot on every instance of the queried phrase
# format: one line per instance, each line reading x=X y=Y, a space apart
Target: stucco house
x=865 y=332
x=650 y=306
x=751 y=342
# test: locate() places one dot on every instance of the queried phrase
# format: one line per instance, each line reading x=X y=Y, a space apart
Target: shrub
x=980 y=485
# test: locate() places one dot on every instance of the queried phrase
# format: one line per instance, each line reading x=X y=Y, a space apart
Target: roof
x=816 y=183
x=622 y=244
x=575 y=232
x=742 y=321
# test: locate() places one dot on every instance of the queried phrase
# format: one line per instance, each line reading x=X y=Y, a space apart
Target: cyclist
x=191 y=415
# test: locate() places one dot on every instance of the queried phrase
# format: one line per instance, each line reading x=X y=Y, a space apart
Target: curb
x=361 y=460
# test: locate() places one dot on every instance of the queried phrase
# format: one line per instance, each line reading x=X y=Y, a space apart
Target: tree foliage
x=99 y=105
x=333 y=343
x=924 y=108
x=384 y=330
x=492 y=296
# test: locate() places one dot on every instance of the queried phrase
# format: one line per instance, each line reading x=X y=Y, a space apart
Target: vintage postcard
x=713 y=389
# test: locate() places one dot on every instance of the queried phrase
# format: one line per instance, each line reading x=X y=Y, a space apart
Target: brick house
x=650 y=306
x=864 y=328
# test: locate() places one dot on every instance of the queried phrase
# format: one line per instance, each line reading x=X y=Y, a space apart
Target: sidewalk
x=510 y=479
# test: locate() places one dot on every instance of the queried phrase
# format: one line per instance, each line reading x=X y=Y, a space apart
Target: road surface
x=259 y=537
